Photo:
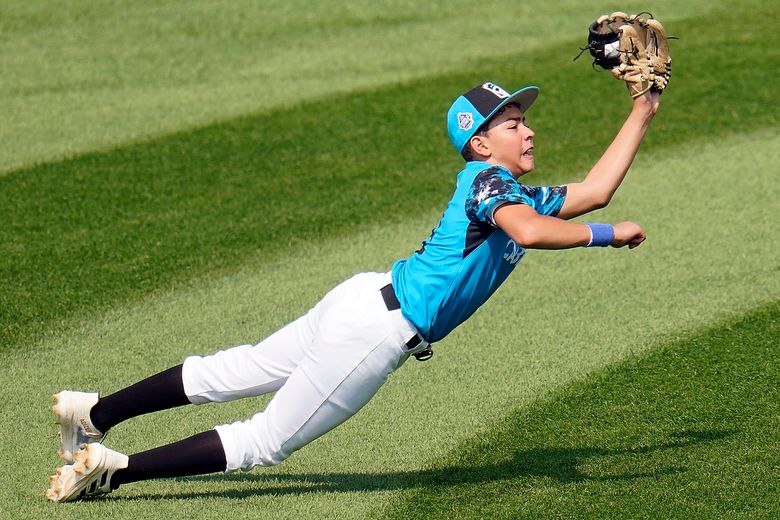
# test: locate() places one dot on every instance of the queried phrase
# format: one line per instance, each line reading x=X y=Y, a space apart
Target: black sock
x=196 y=455
x=158 y=392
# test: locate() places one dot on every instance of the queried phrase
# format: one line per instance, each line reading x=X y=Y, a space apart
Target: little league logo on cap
x=470 y=111
x=465 y=120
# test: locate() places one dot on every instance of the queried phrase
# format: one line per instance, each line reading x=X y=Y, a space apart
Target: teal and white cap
x=470 y=111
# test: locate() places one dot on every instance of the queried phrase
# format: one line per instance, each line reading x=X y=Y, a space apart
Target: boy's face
x=510 y=142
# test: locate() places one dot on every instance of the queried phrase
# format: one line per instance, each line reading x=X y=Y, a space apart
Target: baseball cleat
x=76 y=428
x=88 y=476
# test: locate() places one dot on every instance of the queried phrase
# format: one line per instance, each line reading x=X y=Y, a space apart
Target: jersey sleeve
x=547 y=200
x=495 y=186
x=491 y=188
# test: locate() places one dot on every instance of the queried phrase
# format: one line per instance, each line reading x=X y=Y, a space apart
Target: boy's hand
x=628 y=233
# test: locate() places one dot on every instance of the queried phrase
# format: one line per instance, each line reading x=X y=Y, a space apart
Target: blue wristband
x=601 y=235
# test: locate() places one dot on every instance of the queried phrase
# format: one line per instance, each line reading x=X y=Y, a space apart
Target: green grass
x=119 y=262
x=111 y=226
x=687 y=432
x=82 y=76
x=624 y=303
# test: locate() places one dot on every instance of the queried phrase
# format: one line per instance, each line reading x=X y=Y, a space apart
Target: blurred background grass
x=80 y=76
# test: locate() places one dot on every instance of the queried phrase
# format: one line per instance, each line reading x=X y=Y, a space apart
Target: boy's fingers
x=634 y=242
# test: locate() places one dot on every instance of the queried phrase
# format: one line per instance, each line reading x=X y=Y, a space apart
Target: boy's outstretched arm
x=596 y=190
x=534 y=231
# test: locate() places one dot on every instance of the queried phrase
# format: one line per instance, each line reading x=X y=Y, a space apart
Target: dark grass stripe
x=106 y=227
x=688 y=432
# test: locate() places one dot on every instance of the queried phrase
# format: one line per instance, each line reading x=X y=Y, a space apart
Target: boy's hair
x=468 y=153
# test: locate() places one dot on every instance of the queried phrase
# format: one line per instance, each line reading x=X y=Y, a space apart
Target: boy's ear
x=479 y=145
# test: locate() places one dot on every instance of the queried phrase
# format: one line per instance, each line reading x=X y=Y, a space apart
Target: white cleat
x=76 y=428
x=89 y=476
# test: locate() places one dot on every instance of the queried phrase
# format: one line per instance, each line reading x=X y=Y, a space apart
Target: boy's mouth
x=529 y=152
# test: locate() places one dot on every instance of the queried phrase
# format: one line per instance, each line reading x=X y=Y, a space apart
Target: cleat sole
x=89 y=476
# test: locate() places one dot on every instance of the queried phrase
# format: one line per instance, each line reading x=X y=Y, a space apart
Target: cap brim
x=523 y=98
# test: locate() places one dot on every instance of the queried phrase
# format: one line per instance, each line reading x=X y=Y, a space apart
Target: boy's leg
x=238 y=372
x=158 y=392
x=249 y=370
x=97 y=470
x=359 y=344
x=242 y=371
x=343 y=369
x=85 y=418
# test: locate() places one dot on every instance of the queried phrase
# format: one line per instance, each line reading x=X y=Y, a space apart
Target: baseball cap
x=472 y=109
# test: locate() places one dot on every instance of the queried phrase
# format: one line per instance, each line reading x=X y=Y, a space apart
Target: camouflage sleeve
x=548 y=200
x=492 y=188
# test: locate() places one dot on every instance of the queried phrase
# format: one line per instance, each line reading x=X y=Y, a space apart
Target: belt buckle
x=424 y=355
x=421 y=355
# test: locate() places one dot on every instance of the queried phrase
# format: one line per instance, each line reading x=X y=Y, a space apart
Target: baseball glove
x=634 y=49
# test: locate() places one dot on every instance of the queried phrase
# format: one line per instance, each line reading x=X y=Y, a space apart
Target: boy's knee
x=248 y=444
x=209 y=379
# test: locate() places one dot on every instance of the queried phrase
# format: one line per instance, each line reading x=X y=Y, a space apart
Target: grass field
x=178 y=177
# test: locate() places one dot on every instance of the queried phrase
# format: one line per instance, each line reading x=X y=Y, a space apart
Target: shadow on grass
x=559 y=464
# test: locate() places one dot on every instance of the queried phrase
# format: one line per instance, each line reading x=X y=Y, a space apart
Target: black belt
x=392 y=304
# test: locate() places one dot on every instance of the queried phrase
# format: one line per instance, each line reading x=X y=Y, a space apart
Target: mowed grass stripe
x=87 y=76
x=561 y=317
x=115 y=226
x=689 y=431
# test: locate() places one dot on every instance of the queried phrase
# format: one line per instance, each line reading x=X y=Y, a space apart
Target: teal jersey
x=467 y=257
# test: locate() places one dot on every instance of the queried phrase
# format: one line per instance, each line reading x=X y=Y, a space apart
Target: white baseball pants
x=324 y=367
